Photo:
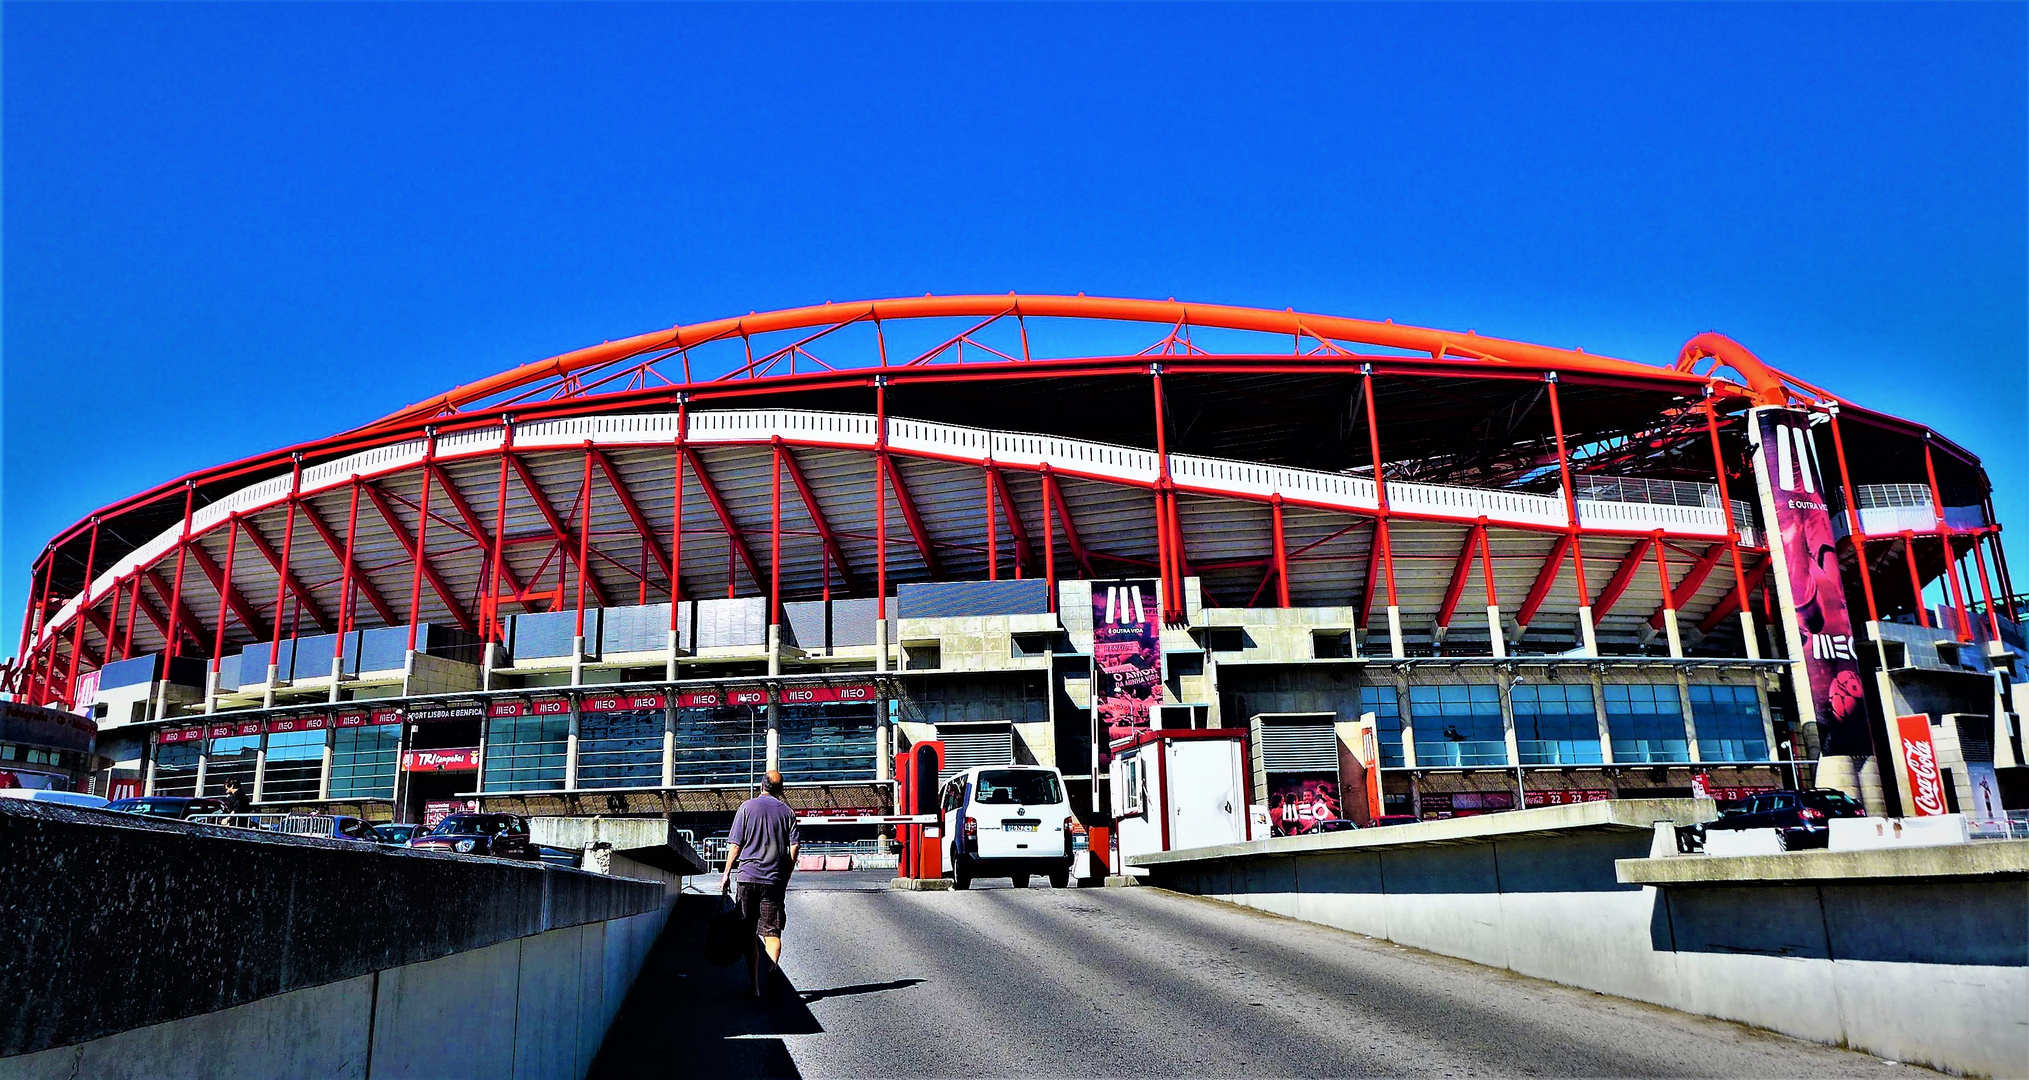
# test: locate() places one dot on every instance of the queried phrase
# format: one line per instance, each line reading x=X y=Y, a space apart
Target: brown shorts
x=761 y=905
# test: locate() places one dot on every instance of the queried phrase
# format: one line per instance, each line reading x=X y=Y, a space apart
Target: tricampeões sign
x=462 y=759
x=1919 y=764
x=1126 y=661
x=1808 y=579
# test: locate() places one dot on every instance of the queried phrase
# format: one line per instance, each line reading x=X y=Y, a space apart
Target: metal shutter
x=1299 y=747
x=970 y=745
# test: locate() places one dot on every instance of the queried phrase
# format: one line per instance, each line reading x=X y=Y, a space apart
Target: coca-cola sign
x=1919 y=763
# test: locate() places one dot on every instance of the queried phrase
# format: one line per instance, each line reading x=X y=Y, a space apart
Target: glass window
x=1018 y=787
x=295 y=766
x=1556 y=724
x=1382 y=701
x=1728 y=719
x=720 y=746
x=526 y=753
x=620 y=749
x=231 y=759
x=1646 y=722
x=1458 y=725
x=827 y=742
x=363 y=761
x=176 y=769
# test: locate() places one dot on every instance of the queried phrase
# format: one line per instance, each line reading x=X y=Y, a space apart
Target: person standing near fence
x=762 y=845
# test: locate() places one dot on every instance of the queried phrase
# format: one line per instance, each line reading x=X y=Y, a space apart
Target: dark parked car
x=1396 y=819
x=1803 y=816
x=503 y=836
x=168 y=806
x=1334 y=825
x=397 y=833
x=346 y=827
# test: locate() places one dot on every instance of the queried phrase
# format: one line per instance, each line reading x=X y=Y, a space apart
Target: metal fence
x=866 y=854
x=292 y=824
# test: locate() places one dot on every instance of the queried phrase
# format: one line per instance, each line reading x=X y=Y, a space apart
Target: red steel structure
x=1264 y=458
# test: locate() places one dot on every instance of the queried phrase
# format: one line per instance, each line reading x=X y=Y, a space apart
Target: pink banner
x=1799 y=521
x=1297 y=802
x=1126 y=661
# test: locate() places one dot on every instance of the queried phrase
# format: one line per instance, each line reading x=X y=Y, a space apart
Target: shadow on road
x=685 y=1017
x=858 y=988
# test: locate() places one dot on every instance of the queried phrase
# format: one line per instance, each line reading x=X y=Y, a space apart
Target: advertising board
x=1919 y=765
x=1126 y=661
x=1297 y=802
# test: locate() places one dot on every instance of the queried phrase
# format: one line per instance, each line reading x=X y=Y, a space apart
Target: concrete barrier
x=160 y=949
x=1918 y=954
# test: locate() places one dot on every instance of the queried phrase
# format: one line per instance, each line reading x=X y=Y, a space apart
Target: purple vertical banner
x=1126 y=661
x=1797 y=512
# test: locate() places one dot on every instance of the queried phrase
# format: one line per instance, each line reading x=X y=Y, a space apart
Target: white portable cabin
x=1181 y=788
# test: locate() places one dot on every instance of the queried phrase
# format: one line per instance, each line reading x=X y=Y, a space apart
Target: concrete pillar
x=479 y=776
x=260 y=768
x=1506 y=680
x=1497 y=637
x=268 y=690
x=571 y=747
x=203 y=759
x=669 y=732
x=1395 y=647
x=490 y=657
x=1588 y=641
x=577 y=670
x=669 y=671
x=880 y=644
x=774 y=711
x=1753 y=643
x=324 y=771
x=884 y=758
x=1690 y=721
x=1674 y=632
x=1401 y=683
x=210 y=692
x=1599 y=711
x=148 y=776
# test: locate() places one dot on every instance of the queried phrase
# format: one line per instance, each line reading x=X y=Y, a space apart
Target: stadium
x=1454 y=573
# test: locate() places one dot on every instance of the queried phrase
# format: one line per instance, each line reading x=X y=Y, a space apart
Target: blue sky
x=233 y=227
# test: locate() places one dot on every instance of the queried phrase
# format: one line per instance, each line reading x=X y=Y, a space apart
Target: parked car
x=1010 y=821
x=503 y=836
x=1334 y=825
x=347 y=827
x=1804 y=817
x=1395 y=819
x=397 y=833
x=67 y=798
x=556 y=856
x=168 y=806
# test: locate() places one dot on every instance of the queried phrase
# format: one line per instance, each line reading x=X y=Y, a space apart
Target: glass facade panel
x=363 y=761
x=526 y=753
x=619 y=749
x=1728 y=719
x=827 y=742
x=176 y=769
x=1386 y=706
x=231 y=759
x=1556 y=724
x=1646 y=723
x=1458 y=725
x=295 y=766
x=720 y=746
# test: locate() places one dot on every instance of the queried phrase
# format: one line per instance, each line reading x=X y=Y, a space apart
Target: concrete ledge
x=1635 y=815
x=910 y=884
x=1981 y=859
x=652 y=841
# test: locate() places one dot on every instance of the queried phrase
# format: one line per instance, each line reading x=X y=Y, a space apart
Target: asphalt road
x=1139 y=982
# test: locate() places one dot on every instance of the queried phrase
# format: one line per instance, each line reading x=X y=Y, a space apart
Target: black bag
x=727 y=935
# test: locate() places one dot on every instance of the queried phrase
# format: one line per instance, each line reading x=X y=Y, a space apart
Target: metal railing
x=291 y=824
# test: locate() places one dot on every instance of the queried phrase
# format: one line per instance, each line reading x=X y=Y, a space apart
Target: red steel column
x=1852 y=499
x=347 y=594
x=133 y=612
x=175 y=645
x=1281 y=551
x=1395 y=647
x=232 y=546
x=282 y=576
x=1585 y=629
x=1986 y=588
x=1751 y=642
x=77 y=641
x=493 y=633
x=1171 y=589
x=1497 y=637
x=1915 y=579
x=881 y=515
x=992 y=525
x=584 y=542
x=1049 y=534
x=774 y=536
x=422 y=538
x=676 y=524
x=28 y=614
x=1944 y=536
x=118 y=592
x=1670 y=628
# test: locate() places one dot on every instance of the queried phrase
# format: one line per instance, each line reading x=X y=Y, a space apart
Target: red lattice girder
x=442 y=588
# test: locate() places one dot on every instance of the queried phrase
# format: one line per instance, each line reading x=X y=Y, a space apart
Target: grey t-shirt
x=764 y=830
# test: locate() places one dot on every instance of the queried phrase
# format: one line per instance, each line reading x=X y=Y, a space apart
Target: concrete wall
x=157 y=948
x=535 y=1007
x=1928 y=970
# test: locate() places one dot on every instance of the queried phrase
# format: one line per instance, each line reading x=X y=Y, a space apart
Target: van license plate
x=1018 y=826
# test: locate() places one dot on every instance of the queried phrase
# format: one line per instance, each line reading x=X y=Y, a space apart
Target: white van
x=1007 y=821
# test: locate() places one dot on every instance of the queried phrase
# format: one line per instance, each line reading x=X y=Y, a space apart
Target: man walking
x=762 y=845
